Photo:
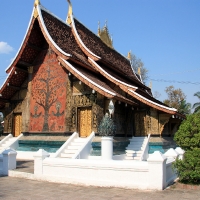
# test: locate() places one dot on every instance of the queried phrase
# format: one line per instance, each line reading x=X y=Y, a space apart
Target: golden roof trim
x=37 y=2
x=68 y=20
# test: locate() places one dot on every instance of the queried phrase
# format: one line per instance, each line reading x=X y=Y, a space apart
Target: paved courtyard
x=19 y=188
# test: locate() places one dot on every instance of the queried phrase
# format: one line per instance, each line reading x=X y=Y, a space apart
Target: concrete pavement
x=22 y=189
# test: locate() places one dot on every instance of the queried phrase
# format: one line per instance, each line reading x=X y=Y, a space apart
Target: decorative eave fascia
x=9 y=76
x=121 y=84
x=47 y=36
x=23 y=44
x=85 y=79
x=151 y=103
x=133 y=69
x=80 y=42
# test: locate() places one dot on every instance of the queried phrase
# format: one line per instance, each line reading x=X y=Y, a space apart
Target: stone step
x=138 y=138
x=70 y=150
x=76 y=143
x=80 y=140
x=137 y=145
x=65 y=155
x=133 y=154
x=135 y=141
x=74 y=147
x=134 y=148
x=132 y=151
x=132 y=158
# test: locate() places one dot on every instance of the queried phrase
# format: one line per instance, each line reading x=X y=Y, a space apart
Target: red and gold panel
x=48 y=97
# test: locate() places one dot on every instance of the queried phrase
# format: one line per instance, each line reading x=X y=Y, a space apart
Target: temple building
x=64 y=78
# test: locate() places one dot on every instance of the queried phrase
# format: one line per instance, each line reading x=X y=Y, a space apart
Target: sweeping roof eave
x=153 y=104
x=46 y=34
x=109 y=93
x=7 y=80
x=121 y=84
x=96 y=49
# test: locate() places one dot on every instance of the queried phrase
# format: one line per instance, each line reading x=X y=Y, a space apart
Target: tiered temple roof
x=83 y=54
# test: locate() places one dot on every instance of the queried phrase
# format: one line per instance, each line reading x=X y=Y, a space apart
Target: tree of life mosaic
x=48 y=97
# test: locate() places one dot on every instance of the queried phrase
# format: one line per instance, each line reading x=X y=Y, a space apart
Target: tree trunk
x=46 y=117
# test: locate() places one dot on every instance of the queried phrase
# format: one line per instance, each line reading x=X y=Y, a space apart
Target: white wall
x=154 y=174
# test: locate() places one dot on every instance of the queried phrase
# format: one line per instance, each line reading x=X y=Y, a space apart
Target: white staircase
x=138 y=148
x=73 y=148
x=9 y=141
x=76 y=147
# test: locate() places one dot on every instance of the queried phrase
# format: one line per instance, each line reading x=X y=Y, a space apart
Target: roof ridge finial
x=129 y=55
x=37 y=2
x=106 y=26
x=99 y=30
x=150 y=85
x=139 y=70
x=69 y=13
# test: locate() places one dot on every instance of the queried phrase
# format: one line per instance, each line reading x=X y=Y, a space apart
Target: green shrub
x=189 y=168
x=188 y=135
x=188 y=138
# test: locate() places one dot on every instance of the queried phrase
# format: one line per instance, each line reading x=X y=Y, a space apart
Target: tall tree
x=196 y=106
x=177 y=99
x=184 y=107
x=137 y=64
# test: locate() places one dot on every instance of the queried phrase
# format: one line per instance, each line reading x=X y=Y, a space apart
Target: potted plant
x=107 y=130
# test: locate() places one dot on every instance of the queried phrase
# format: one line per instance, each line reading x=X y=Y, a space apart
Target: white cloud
x=5 y=48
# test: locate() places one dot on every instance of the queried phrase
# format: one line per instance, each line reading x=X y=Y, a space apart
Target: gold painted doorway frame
x=17 y=124
x=84 y=121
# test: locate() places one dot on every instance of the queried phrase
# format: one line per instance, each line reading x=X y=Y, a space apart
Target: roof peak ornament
x=104 y=35
x=129 y=56
x=35 y=14
x=68 y=20
x=37 y=2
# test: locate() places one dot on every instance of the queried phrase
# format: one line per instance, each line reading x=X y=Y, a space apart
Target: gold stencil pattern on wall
x=85 y=121
x=18 y=124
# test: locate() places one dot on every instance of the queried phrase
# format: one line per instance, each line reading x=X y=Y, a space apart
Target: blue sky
x=165 y=34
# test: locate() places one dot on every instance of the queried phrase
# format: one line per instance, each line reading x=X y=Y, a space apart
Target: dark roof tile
x=115 y=60
x=62 y=35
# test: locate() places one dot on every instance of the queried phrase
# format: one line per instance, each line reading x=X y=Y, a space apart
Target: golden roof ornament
x=129 y=55
x=139 y=71
x=37 y=2
x=35 y=14
x=105 y=36
x=69 y=13
x=99 y=30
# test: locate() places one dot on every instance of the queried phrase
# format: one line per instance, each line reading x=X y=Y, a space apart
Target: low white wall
x=7 y=161
x=155 y=173
x=111 y=173
x=171 y=174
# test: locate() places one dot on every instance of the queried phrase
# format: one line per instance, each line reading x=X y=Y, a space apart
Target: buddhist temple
x=64 y=78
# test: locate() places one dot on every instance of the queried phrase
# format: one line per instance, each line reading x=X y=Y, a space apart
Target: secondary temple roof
x=83 y=54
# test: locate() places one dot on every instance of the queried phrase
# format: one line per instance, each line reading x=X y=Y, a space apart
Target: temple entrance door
x=85 y=121
x=17 y=124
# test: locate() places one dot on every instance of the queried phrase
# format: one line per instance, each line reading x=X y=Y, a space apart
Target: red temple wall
x=48 y=97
